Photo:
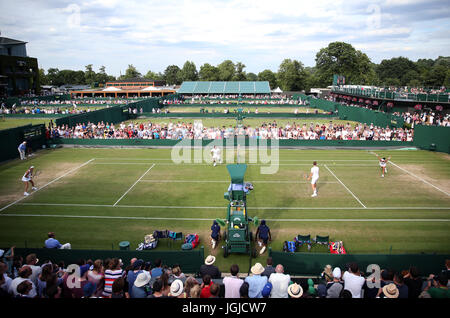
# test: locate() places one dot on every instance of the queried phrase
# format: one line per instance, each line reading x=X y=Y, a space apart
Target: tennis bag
x=190 y=242
x=150 y=242
x=289 y=246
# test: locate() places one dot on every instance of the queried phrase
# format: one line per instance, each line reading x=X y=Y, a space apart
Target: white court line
x=419 y=178
x=222 y=207
x=209 y=164
x=346 y=187
x=134 y=184
x=226 y=181
x=205 y=219
x=49 y=183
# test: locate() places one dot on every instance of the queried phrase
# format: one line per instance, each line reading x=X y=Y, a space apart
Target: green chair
x=303 y=239
x=322 y=240
x=178 y=236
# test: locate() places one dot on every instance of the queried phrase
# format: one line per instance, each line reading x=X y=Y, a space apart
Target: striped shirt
x=110 y=277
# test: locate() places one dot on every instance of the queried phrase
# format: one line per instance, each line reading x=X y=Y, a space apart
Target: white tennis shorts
x=24 y=179
x=314 y=180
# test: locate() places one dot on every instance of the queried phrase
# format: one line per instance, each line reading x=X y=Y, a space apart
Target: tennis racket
x=36 y=173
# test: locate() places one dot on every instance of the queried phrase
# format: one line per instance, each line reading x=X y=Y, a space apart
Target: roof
x=225 y=88
x=134 y=79
x=8 y=41
x=237 y=172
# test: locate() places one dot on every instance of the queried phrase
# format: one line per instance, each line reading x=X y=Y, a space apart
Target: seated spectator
x=389 y=291
x=209 y=269
x=335 y=288
x=89 y=290
x=46 y=273
x=96 y=276
x=214 y=290
x=157 y=270
x=141 y=287
x=280 y=283
x=165 y=283
x=295 y=291
x=190 y=283
x=269 y=269
x=51 y=242
x=256 y=282
x=243 y=291
x=386 y=278
x=195 y=291
x=205 y=286
x=113 y=272
x=176 y=273
x=232 y=283
x=437 y=286
x=136 y=269
x=119 y=288
x=31 y=261
x=4 y=278
x=402 y=288
x=177 y=290
x=157 y=290
x=24 y=289
x=24 y=275
x=414 y=282
x=353 y=280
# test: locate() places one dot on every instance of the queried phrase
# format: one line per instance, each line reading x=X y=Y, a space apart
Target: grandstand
x=200 y=88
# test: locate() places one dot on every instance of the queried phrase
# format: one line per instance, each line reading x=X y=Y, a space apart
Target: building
x=127 y=88
x=19 y=74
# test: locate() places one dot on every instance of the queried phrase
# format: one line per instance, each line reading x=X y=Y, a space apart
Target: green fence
x=10 y=139
x=110 y=115
x=434 y=138
x=314 y=263
x=248 y=142
x=368 y=116
x=235 y=114
x=189 y=261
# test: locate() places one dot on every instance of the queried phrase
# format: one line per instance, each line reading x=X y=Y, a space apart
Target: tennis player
x=383 y=164
x=28 y=178
x=215 y=152
x=314 y=176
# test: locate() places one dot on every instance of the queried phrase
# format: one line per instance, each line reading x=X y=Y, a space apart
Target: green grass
x=261 y=109
x=398 y=213
x=6 y=123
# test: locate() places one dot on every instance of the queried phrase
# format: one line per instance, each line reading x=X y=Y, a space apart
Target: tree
x=131 y=72
x=89 y=75
x=269 y=76
x=208 y=73
x=226 y=70
x=154 y=76
x=396 y=68
x=343 y=59
x=188 y=72
x=239 y=74
x=43 y=79
x=251 y=77
x=291 y=75
x=172 y=75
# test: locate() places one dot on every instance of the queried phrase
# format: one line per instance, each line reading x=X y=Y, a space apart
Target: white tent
x=111 y=89
x=277 y=90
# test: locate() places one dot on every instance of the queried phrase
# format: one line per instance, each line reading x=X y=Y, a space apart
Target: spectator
x=389 y=291
x=3 y=290
x=214 y=290
x=136 y=269
x=31 y=261
x=402 y=288
x=119 y=289
x=111 y=274
x=52 y=288
x=141 y=287
x=165 y=283
x=79 y=282
x=205 y=293
x=176 y=289
x=157 y=290
x=256 y=282
x=353 y=280
x=96 y=276
x=335 y=288
x=195 y=291
x=51 y=242
x=295 y=290
x=176 y=273
x=209 y=269
x=46 y=273
x=8 y=258
x=387 y=277
x=280 y=283
x=157 y=270
x=5 y=279
x=89 y=290
x=24 y=289
x=243 y=291
x=414 y=282
x=232 y=283
x=269 y=269
x=437 y=286
x=190 y=283
x=24 y=274
x=346 y=294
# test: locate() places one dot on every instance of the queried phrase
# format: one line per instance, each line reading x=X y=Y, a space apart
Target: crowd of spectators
x=196 y=130
x=111 y=278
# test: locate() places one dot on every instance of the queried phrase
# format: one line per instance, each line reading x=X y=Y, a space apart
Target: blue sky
x=259 y=33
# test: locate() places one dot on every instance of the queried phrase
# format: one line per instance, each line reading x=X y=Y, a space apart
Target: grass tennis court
x=95 y=198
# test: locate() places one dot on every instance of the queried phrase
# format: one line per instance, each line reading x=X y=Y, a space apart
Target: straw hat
x=295 y=290
x=176 y=288
x=142 y=279
x=257 y=269
x=390 y=291
x=210 y=260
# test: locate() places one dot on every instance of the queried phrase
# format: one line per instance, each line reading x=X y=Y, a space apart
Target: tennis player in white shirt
x=314 y=176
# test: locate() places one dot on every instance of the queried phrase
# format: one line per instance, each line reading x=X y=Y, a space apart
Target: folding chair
x=322 y=240
x=303 y=239
x=175 y=236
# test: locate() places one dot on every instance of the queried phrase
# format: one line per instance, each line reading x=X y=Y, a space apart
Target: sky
x=259 y=33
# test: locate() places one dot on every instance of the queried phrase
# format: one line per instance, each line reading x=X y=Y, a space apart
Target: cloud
x=259 y=33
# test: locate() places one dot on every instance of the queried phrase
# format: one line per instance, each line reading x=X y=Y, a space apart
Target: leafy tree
x=397 y=68
x=43 y=79
x=188 y=72
x=154 y=76
x=239 y=74
x=208 y=73
x=226 y=70
x=291 y=75
x=131 y=72
x=269 y=76
x=172 y=75
x=251 y=77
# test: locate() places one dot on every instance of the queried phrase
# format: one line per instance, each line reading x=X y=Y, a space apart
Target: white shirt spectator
x=280 y=283
x=353 y=283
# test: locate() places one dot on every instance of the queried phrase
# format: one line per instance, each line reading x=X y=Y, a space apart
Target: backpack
x=289 y=246
x=150 y=242
x=192 y=239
